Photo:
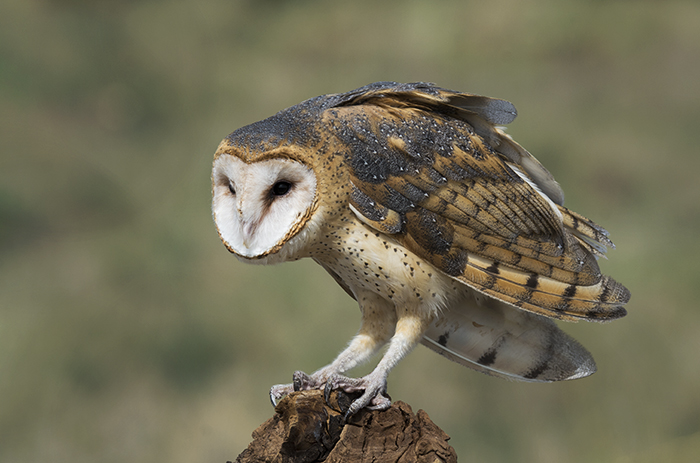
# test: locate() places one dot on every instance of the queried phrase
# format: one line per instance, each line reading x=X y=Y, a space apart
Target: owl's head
x=262 y=206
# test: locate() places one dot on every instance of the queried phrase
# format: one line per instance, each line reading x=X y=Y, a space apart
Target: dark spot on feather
x=570 y=291
x=442 y=340
x=488 y=358
x=493 y=269
x=606 y=313
x=537 y=370
x=574 y=222
x=545 y=358
x=617 y=312
x=532 y=282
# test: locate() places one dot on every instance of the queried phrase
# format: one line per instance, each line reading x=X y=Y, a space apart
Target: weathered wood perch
x=305 y=429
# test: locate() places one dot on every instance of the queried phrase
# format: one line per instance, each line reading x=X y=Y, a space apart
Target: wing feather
x=493 y=338
x=483 y=114
x=429 y=167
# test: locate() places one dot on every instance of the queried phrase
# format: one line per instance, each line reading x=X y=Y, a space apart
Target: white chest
x=366 y=260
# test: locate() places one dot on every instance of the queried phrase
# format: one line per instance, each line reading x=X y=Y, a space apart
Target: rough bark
x=305 y=429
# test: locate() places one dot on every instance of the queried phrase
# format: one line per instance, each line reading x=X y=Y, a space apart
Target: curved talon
x=300 y=381
x=278 y=392
x=378 y=402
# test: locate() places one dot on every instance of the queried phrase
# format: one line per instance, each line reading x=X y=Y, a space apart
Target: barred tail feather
x=494 y=338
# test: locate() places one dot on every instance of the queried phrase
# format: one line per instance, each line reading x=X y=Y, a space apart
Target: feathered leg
x=409 y=331
x=378 y=324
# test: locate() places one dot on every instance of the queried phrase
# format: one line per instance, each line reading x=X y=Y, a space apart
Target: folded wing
x=431 y=168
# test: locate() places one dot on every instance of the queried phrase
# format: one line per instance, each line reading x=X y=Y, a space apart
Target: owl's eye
x=231 y=188
x=281 y=188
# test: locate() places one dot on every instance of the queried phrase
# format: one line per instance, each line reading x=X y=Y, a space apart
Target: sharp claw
x=352 y=409
x=278 y=392
x=356 y=405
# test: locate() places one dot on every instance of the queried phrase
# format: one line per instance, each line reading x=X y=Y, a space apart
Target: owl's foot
x=301 y=382
x=373 y=398
x=373 y=387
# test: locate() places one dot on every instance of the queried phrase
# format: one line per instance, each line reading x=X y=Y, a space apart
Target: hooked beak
x=249 y=229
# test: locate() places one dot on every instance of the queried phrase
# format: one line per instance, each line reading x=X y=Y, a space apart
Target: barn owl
x=443 y=229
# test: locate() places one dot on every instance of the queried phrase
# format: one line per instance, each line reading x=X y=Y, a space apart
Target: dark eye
x=231 y=188
x=281 y=188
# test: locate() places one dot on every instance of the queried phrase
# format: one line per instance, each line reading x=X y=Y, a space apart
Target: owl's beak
x=249 y=229
x=248 y=226
x=250 y=221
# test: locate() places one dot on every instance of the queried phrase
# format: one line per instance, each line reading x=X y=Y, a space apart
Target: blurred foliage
x=127 y=332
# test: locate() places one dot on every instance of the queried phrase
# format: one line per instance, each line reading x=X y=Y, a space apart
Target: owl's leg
x=409 y=331
x=378 y=322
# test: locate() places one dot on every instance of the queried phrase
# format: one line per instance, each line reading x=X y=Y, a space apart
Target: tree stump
x=306 y=429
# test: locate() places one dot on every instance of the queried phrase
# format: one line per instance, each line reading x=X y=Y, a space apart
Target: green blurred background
x=127 y=331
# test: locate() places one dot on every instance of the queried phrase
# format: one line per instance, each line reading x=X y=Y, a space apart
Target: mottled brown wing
x=483 y=114
x=424 y=174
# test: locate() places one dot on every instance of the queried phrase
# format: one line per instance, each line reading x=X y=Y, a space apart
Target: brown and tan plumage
x=445 y=231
